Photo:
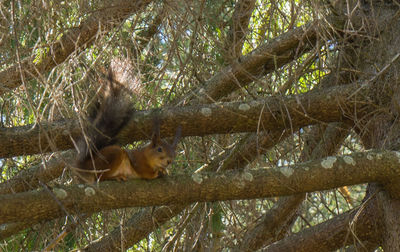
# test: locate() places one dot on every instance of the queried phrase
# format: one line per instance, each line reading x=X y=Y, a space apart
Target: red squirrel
x=99 y=158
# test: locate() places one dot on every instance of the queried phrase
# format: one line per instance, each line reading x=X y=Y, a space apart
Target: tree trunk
x=380 y=64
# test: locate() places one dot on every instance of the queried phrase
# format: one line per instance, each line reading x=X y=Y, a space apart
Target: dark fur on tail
x=106 y=118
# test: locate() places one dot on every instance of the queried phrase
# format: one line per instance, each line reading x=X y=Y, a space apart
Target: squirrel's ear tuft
x=155 y=139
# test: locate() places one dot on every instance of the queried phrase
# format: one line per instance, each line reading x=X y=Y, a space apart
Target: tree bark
x=381 y=129
x=272 y=113
x=321 y=175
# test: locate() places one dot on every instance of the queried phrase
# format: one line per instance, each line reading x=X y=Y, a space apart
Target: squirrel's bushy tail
x=106 y=118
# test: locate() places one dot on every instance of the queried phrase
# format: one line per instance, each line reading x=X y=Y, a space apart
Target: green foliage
x=216 y=219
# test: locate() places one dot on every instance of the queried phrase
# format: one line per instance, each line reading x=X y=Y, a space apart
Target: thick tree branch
x=106 y=18
x=273 y=113
x=320 y=175
x=31 y=178
x=9 y=229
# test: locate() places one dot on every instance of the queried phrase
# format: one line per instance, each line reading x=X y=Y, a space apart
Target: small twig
x=385 y=68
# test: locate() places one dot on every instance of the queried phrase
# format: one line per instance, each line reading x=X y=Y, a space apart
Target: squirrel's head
x=159 y=153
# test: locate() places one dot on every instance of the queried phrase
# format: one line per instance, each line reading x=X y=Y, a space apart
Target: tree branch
x=272 y=113
x=239 y=27
x=353 y=227
x=270 y=227
x=77 y=38
x=182 y=189
x=260 y=61
x=9 y=229
x=136 y=228
x=30 y=179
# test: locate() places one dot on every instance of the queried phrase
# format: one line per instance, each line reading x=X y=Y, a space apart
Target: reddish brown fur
x=114 y=163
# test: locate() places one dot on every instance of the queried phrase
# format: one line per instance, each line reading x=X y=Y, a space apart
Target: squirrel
x=99 y=158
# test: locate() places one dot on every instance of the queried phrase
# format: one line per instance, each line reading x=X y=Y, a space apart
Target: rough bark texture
x=390 y=209
x=325 y=174
x=273 y=113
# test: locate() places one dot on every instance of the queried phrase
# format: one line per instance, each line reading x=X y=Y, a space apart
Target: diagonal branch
x=264 y=59
x=137 y=228
x=272 y=224
x=81 y=37
x=364 y=223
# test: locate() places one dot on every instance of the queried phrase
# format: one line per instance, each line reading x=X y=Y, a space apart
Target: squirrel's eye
x=159 y=149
